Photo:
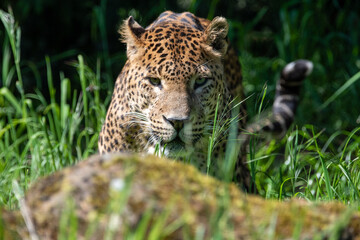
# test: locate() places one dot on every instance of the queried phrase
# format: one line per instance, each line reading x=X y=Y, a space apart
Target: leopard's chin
x=174 y=146
x=177 y=149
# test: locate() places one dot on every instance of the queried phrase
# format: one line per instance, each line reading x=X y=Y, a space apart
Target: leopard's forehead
x=172 y=47
x=182 y=19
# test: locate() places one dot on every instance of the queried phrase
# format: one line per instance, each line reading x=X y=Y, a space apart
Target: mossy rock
x=145 y=197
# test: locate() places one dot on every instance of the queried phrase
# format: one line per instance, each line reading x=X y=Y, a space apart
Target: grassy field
x=43 y=130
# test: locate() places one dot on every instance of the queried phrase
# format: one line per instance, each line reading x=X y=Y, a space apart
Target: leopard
x=183 y=79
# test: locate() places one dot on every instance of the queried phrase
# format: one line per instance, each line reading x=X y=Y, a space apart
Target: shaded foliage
x=52 y=110
x=267 y=36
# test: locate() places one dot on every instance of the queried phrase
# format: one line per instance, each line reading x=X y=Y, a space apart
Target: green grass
x=316 y=160
x=38 y=137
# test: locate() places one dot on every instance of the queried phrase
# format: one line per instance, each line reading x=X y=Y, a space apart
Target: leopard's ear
x=131 y=33
x=214 y=36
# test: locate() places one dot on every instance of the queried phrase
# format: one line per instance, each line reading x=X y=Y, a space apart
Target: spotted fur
x=179 y=74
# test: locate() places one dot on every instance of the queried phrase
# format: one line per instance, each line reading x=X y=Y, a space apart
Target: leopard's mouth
x=178 y=147
x=174 y=146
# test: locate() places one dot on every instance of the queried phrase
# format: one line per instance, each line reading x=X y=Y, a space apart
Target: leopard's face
x=168 y=91
x=175 y=87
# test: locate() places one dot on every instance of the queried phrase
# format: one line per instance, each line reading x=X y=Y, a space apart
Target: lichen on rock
x=119 y=195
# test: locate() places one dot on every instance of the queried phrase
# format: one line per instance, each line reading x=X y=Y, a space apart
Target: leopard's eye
x=200 y=82
x=155 y=81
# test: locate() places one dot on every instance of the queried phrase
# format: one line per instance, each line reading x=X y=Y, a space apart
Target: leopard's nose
x=177 y=122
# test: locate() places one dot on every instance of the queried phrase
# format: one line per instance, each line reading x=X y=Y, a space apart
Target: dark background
x=267 y=34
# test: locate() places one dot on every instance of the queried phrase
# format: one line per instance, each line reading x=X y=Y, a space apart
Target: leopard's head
x=173 y=80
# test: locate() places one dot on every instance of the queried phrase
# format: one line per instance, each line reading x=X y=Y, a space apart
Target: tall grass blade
x=325 y=170
x=14 y=34
x=212 y=138
x=52 y=92
x=347 y=143
x=12 y=99
x=25 y=212
x=348 y=177
x=6 y=64
x=84 y=94
x=341 y=90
